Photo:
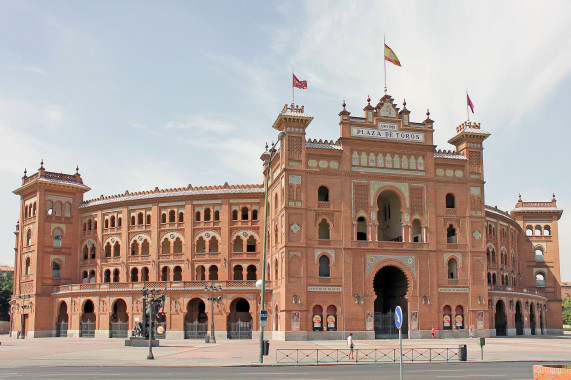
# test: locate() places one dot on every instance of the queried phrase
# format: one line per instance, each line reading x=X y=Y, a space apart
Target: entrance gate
x=240 y=330
x=61 y=329
x=195 y=330
x=119 y=329
x=385 y=326
x=87 y=329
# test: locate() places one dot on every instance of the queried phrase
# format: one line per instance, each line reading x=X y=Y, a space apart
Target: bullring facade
x=355 y=227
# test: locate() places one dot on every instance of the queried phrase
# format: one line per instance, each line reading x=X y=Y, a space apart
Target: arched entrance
x=390 y=285
x=500 y=318
x=196 y=320
x=518 y=319
x=119 y=323
x=87 y=324
x=239 y=320
x=532 y=319
x=62 y=320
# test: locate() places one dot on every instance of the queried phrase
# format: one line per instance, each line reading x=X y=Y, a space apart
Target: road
x=421 y=371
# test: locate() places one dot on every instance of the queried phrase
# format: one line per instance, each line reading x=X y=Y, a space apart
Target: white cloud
x=199 y=122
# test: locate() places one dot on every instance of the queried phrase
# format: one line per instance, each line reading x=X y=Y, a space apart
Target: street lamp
x=267 y=157
x=155 y=299
x=213 y=288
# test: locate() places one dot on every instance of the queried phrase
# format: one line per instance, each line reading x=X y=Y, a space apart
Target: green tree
x=6 y=282
x=566 y=311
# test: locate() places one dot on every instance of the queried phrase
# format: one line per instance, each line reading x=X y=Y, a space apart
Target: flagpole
x=467 y=112
x=292 y=89
x=385 y=62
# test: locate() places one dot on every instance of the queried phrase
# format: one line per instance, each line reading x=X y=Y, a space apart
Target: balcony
x=172 y=285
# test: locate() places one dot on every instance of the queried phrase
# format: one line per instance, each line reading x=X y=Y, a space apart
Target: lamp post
x=23 y=307
x=155 y=299
x=267 y=157
x=213 y=288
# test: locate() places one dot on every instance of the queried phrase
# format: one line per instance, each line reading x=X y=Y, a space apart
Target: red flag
x=470 y=104
x=391 y=56
x=299 y=83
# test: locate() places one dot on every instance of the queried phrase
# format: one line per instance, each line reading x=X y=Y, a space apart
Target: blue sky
x=142 y=94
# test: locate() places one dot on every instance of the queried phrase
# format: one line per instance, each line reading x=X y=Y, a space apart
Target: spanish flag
x=391 y=56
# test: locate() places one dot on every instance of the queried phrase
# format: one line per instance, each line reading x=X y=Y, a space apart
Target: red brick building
x=377 y=219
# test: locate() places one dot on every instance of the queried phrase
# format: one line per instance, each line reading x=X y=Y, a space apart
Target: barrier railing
x=374 y=355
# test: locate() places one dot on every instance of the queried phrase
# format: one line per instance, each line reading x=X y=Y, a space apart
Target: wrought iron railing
x=373 y=355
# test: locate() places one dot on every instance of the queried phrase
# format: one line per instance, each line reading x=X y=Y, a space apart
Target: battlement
x=467 y=124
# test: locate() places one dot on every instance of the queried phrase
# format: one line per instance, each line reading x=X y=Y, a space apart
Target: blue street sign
x=264 y=318
x=398 y=317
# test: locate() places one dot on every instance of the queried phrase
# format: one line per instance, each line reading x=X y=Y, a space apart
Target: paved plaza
x=56 y=352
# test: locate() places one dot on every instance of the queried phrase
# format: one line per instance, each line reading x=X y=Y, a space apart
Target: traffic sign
x=398 y=317
x=264 y=318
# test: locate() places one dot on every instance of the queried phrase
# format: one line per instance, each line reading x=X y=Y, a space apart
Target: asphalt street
x=504 y=370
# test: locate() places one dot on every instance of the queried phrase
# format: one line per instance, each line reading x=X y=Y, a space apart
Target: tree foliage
x=6 y=282
x=566 y=311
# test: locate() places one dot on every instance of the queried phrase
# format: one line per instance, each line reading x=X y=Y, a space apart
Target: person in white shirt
x=350 y=345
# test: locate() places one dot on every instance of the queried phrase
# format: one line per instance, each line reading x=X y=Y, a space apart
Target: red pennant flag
x=299 y=83
x=470 y=104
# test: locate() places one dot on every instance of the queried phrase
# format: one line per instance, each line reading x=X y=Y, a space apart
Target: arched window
x=251 y=273
x=92 y=276
x=538 y=230
x=207 y=214
x=451 y=235
x=166 y=247
x=29 y=237
x=323 y=194
x=49 y=208
x=213 y=245
x=489 y=278
x=452 y=269
x=317 y=318
x=494 y=279
x=200 y=273
x=459 y=318
x=67 y=210
x=140 y=218
x=58 y=209
x=213 y=273
x=488 y=254
x=28 y=266
x=200 y=245
x=89 y=224
x=112 y=220
x=254 y=214
x=93 y=251
x=25 y=212
x=324 y=268
x=145 y=248
x=172 y=216
x=34 y=210
x=197 y=216
x=331 y=318
x=244 y=213
x=251 y=244
x=145 y=274
x=85 y=252
x=119 y=222
x=107 y=276
x=106 y=223
x=238 y=245
x=177 y=273
x=361 y=228
x=450 y=203
x=494 y=255
x=134 y=248
x=134 y=275
x=84 y=277
x=546 y=230
x=238 y=273
x=57 y=238
x=216 y=215
x=116 y=275
x=164 y=217
x=181 y=217
x=95 y=224
x=177 y=246
x=133 y=220
x=148 y=219
x=324 y=230
x=416 y=231
x=276 y=202
x=540 y=279
x=235 y=215
x=447 y=317
x=539 y=253
x=116 y=249
x=108 y=250
x=165 y=274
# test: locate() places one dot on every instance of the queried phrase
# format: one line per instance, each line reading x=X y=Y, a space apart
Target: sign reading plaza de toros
x=387 y=131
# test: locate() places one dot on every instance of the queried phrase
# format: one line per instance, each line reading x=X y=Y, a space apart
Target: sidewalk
x=71 y=352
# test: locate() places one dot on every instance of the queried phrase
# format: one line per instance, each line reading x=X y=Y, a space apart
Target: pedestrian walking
x=350 y=345
x=433 y=333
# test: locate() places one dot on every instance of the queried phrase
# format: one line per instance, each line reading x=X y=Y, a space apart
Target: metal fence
x=376 y=355
x=195 y=330
x=119 y=329
x=240 y=330
x=87 y=329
